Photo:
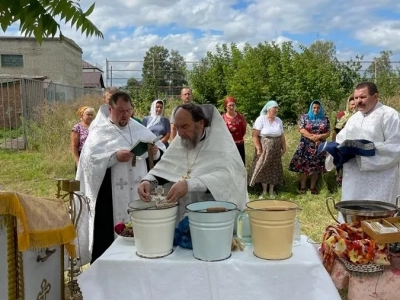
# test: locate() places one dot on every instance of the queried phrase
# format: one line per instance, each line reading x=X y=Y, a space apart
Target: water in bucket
x=272 y=227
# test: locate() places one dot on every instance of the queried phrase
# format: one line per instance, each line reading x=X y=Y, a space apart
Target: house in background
x=92 y=76
x=60 y=61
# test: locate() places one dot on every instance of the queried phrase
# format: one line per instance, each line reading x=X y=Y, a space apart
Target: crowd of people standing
x=267 y=136
x=199 y=154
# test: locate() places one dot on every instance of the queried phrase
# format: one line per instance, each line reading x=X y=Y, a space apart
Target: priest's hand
x=124 y=155
x=144 y=190
x=154 y=150
x=178 y=190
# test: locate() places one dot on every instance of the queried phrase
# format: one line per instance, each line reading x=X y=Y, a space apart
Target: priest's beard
x=191 y=143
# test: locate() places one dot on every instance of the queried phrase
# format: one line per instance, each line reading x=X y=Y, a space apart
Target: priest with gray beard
x=202 y=162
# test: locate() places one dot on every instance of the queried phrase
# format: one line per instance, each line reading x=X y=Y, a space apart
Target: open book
x=141 y=147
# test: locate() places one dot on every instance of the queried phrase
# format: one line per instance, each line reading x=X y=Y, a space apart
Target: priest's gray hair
x=196 y=111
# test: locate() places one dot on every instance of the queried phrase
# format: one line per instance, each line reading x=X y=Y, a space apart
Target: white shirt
x=267 y=128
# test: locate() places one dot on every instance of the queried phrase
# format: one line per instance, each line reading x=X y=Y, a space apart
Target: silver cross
x=121 y=183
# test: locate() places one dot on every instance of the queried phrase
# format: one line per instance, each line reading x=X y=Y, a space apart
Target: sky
x=131 y=27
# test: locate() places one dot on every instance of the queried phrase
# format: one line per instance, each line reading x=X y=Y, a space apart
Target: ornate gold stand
x=71 y=187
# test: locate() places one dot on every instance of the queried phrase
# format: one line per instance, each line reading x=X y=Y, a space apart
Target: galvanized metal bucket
x=211 y=228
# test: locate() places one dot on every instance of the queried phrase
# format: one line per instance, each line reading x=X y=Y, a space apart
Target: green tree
x=155 y=70
x=384 y=75
x=177 y=73
x=39 y=17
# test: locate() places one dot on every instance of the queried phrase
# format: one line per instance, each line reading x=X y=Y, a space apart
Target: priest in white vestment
x=202 y=163
x=372 y=177
x=109 y=174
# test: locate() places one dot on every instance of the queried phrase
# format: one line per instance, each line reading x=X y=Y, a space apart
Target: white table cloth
x=119 y=274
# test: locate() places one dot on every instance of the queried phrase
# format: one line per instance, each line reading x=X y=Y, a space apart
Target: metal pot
x=356 y=210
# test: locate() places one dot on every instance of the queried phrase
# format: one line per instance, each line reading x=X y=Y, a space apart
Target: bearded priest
x=202 y=163
x=109 y=174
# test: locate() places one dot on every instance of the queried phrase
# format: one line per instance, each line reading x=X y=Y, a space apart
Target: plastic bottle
x=297 y=233
x=243 y=228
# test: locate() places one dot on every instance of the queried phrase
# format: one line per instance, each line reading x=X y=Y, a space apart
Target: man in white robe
x=372 y=177
x=109 y=174
x=202 y=163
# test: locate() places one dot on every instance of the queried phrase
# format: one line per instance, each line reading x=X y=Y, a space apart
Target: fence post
x=24 y=108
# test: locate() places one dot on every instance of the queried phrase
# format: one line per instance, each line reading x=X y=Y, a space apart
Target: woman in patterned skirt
x=270 y=144
x=315 y=128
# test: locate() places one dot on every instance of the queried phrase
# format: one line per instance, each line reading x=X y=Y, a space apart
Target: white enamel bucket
x=211 y=231
x=153 y=228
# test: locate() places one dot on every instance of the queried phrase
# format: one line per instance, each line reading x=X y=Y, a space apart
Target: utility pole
x=154 y=78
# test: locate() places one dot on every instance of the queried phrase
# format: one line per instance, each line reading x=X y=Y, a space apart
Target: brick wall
x=60 y=61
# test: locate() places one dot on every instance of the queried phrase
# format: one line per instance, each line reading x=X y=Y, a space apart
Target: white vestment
x=105 y=139
x=215 y=161
x=373 y=177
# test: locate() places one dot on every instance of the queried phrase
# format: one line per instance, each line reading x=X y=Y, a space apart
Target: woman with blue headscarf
x=315 y=128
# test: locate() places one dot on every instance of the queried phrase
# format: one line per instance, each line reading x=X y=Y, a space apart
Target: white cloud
x=386 y=34
x=131 y=27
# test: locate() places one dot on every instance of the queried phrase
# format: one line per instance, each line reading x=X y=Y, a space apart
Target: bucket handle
x=397 y=204
x=277 y=208
x=331 y=199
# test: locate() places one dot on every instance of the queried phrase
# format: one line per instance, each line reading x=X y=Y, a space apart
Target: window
x=11 y=60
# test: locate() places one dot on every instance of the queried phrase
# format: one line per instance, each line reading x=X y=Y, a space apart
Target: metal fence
x=18 y=99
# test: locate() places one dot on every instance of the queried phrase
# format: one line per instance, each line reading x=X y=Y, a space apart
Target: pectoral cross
x=187 y=176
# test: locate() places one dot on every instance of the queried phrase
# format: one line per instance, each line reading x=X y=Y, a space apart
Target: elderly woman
x=80 y=131
x=158 y=124
x=270 y=144
x=236 y=124
x=314 y=127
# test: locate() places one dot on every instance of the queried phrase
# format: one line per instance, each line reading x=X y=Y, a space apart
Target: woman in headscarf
x=270 y=144
x=80 y=131
x=343 y=116
x=236 y=124
x=341 y=120
x=158 y=124
x=315 y=128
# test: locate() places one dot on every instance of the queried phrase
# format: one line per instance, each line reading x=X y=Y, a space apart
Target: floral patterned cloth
x=348 y=241
x=83 y=132
x=306 y=158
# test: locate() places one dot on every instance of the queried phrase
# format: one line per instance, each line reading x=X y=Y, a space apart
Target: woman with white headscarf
x=158 y=124
x=270 y=144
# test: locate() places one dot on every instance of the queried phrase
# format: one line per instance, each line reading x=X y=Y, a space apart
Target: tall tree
x=40 y=17
x=177 y=73
x=155 y=70
x=384 y=75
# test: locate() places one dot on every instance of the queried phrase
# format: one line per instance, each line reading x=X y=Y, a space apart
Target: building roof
x=93 y=80
x=55 y=39
x=86 y=65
